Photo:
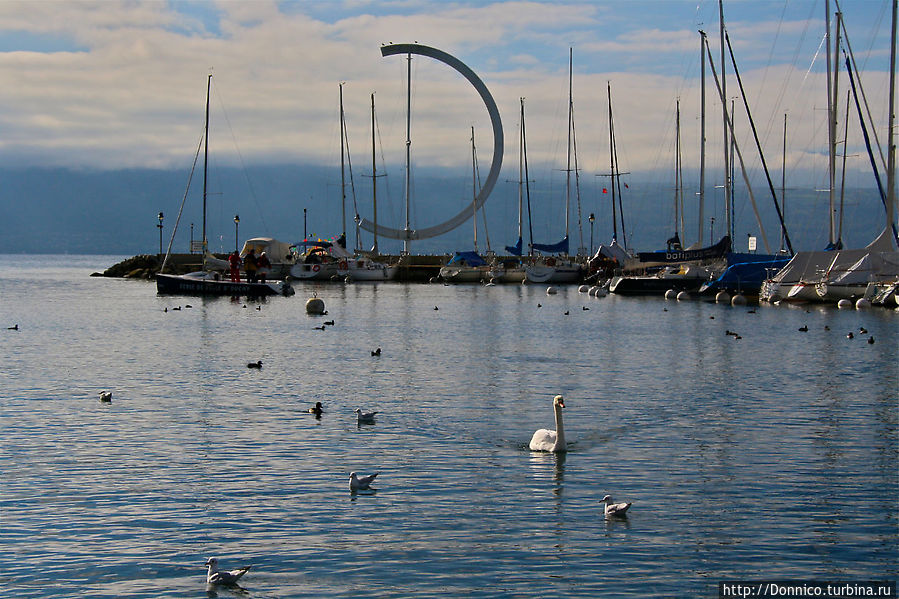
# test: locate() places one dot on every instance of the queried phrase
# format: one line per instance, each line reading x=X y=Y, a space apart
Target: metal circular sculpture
x=495 y=164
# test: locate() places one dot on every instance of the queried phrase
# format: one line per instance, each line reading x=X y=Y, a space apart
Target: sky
x=107 y=86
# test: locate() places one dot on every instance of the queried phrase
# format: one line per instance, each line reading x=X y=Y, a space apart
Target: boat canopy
x=514 y=250
x=552 y=248
x=612 y=251
x=277 y=251
x=466 y=259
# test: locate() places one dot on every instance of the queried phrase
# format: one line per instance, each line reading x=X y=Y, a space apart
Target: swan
x=361 y=483
x=216 y=576
x=615 y=510
x=547 y=440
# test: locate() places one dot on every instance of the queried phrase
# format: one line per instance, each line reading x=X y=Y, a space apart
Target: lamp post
x=159 y=226
x=591 y=218
x=712 y=232
x=236 y=229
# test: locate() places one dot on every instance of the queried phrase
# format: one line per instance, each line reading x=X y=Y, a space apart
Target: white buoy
x=315 y=305
x=600 y=292
x=844 y=304
x=551 y=291
x=670 y=294
x=738 y=300
x=722 y=297
x=862 y=304
x=682 y=296
x=583 y=289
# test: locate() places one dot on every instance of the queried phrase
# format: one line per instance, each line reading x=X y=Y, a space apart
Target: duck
x=376 y=352
x=548 y=440
x=321 y=328
x=361 y=483
x=863 y=330
x=15 y=327
x=256 y=364
x=316 y=409
x=850 y=335
x=871 y=340
x=226 y=577
x=364 y=417
x=330 y=323
x=105 y=396
x=615 y=510
x=803 y=328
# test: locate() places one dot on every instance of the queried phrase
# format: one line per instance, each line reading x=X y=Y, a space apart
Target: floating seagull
x=316 y=409
x=256 y=364
x=364 y=417
x=106 y=396
x=377 y=352
x=615 y=510
x=216 y=576
x=361 y=483
x=547 y=440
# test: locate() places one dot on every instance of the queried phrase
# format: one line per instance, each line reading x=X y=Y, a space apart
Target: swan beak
x=561 y=403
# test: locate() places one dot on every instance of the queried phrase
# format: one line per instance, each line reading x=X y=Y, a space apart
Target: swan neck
x=560 y=428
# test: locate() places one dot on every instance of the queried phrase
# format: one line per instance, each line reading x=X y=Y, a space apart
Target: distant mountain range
x=115 y=212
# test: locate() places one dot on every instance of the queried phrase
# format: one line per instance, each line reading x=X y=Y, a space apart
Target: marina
x=770 y=456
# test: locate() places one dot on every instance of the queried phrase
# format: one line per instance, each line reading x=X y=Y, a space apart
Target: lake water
x=774 y=456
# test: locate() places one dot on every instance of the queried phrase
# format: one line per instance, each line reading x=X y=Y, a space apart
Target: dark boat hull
x=190 y=285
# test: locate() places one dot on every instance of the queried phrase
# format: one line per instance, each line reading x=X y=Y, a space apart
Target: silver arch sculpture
x=495 y=165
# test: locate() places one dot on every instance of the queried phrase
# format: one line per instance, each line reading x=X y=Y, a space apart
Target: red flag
x=625 y=186
x=604 y=190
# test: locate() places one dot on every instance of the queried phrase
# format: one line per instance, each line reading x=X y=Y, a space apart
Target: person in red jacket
x=235 y=261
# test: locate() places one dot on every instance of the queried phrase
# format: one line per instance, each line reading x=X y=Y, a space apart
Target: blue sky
x=120 y=84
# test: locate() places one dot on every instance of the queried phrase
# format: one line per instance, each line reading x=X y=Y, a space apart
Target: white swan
x=547 y=440
x=615 y=510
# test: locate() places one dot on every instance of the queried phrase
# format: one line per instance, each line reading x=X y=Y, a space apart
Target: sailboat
x=559 y=268
x=835 y=274
x=207 y=281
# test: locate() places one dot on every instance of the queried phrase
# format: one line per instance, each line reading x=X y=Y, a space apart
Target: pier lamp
x=236 y=229
x=159 y=226
x=591 y=218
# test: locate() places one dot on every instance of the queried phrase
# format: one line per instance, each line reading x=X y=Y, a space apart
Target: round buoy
x=862 y=304
x=583 y=289
x=315 y=305
x=670 y=294
x=600 y=292
x=722 y=297
x=844 y=303
x=683 y=295
x=551 y=291
x=592 y=291
x=738 y=300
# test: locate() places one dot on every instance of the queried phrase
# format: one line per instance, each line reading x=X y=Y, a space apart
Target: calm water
x=775 y=456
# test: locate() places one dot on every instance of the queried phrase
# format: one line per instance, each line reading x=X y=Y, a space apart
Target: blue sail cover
x=516 y=249
x=467 y=259
x=554 y=248
x=746 y=272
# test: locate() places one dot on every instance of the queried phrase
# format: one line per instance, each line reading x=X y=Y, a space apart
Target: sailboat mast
x=206 y=161
x=474 y=190
x=342 y=172
x=568 y=169
x=612 y=180
x=783 y=183
x=527 y=183
x=678 y=225
x=406 y=242
x=520 y=167
x=727 y=183
x=702 y=44
x=891 y=129
x=374 y=178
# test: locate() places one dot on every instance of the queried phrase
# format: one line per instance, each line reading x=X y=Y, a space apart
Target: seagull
x=216 y=576
x=615 y=510
x=256 y=364
x=361 y=483
x=364 y=417
x=316 y=409
x=377 y=352
x=106 y=396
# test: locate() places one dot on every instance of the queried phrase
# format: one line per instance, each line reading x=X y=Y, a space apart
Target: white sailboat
x=559 y=268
